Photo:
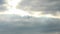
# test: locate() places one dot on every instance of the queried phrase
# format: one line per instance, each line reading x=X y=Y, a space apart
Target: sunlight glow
x=11 y=6
x=12 y=9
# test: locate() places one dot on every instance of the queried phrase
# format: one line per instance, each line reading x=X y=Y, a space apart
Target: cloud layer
x=28 y=25
x=13 y=24
x=46 y=6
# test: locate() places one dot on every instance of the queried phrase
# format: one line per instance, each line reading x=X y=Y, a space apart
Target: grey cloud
x=2 y=7
x=46 y=6
x=28 y=25
x=2 y=2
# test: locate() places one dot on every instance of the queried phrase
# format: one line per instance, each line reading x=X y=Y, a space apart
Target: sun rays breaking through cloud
x=11 y=8
x=12 y=5
x=29 y=17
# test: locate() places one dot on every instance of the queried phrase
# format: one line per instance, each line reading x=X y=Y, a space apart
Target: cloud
x=13 y=24
x=2 y=5
x=46 y=6
x=2 y=2
x=28 y=25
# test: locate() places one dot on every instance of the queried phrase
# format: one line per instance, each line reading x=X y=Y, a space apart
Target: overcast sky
x=46 y=6
x=15 y=24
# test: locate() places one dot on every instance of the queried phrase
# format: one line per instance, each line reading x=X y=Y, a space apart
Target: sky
x=29 y=17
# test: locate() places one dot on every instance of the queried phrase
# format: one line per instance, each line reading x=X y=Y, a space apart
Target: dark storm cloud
x=46 y=6
x=2 y=7
x=28 y=25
